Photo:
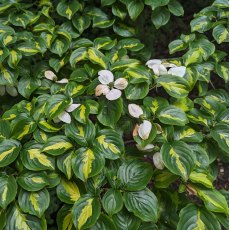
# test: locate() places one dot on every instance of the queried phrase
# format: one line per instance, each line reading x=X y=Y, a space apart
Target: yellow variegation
x=201 y=178
x=88 y=158
x=59 y=145
x=71 y=189
x=102 y=141
x=42 y=158
x=86 y=212
x=97 y=57
x=6 y=153
x=33 y=198
x=179 y=165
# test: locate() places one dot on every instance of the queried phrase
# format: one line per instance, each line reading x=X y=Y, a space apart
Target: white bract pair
x=64 y=116
x=52 y=77
x=144 y=129
x=108 y=87
x=163 y=68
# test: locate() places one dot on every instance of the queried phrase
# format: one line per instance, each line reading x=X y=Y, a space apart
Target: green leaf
x=105 y=43
x=34 y=160
x=34 y=203
x=164 y=179
x=123 y=30
x=107 y=2
x=28 y=48
x=136 y=91
x=3 y=54
x=172 y=115
x=110 y=112
x=78 y=55
x=195 y=217
x=74 y=89
x=81 y=114
x=33 y=181
x=14 y=58
x=192 y=56
x=68 y=191
x=48 y=127
x=220 y=134
x=81 y=23
x=221 y=3
x=206 y=47
x=134 y=175
x=199 y=117
x=210 y=105
x=175 y=86
x=222 y=70
x=176 y=45
x=82 y=134
x=155 y=104
x=19 y=19
x=125 y=63
x=55 y=105
x=142 y=204
x=64 y=164
x=154 y=4
x=126 y=220
x=68 y=8
x=132 y=44
x=201 y=178
x=175 y=8
x=160 y=17
x=119 y=11
x=64 y=218
x=57 y=145
x=27 y=86
x=17 y=220
x=112 y=201
x=9 y=150
x=178 y=158
x=135 y=8
x=87 y=163
x=8 y=190
x=7 y=76
x=220 y=33
x=214 y=201
x=200 y=24
x=102 y=22
x=60 y=46
x=96 y=57
x=110 y=143
x=188 y=134
x=103 y=223
x=57 y=64
x=5 y=130
x=85 y=212
x=23 y=127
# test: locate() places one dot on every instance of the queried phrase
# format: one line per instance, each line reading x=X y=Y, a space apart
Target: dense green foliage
x=94 y=134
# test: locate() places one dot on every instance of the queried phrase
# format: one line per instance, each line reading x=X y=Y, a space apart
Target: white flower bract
x=157 y=160
x=111 y=93
x=135 y=110
x=64 y=116
x=52 y=77
x=161 y=68
x=145 y=129
x=147 y=148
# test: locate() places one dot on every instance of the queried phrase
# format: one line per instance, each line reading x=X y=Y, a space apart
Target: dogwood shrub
x=98 y=133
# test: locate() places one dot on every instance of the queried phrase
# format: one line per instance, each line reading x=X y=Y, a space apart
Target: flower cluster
x=108 y=87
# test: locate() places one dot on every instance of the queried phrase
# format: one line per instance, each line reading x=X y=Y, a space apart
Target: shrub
x=98 y=133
